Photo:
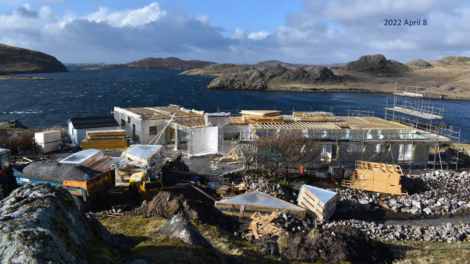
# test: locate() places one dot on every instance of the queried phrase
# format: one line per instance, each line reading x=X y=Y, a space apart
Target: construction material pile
x=105 y=140
x=314 y=116
x=47 y=141
x=262 y=116
x=62 y=171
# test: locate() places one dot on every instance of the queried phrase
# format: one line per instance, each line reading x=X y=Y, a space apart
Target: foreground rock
x=18 y=60
x=41 y=224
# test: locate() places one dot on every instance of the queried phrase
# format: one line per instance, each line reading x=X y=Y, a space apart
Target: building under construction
x=343 y=139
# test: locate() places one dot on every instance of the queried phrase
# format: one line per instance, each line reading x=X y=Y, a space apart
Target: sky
x=241 y=31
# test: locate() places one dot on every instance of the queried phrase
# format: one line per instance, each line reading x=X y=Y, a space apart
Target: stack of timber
x=259 y=225
x=47 y=141
x=376 y=177
x=320 y=203
x=314 y=116
x=105 y=140
x=262 y=116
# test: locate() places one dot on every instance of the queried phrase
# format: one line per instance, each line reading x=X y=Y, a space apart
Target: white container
x=47 y=136
x=47 y=147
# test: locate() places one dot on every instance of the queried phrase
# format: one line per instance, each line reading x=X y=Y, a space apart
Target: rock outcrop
x=419 y=63
x=41 y=224
x=18 y=60
x=377 y=64
x=270 y=77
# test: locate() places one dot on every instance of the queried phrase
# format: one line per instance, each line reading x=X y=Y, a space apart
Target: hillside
x=169 y=63
x=19 y=60
x=372 y=73
x=275 y=77
x=377 y=64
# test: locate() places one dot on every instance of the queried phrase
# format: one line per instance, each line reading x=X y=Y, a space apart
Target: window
x=153 y=130
x=353 y=148
x=128 y=119
x=123 y=122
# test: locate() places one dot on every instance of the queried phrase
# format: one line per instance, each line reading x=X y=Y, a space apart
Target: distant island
x=169 y=63
x=446 y=78
x=14 y=60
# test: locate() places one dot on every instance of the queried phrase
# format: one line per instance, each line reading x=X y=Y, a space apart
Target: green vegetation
x=411 y=252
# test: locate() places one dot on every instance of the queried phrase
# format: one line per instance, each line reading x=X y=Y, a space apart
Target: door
x=133 y=132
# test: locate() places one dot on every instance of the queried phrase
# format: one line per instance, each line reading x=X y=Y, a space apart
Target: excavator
x=145 y=182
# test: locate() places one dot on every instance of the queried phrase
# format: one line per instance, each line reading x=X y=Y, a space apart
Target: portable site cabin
x=247 y=204
x=376 y=177
x=78 y=126
x=320 y=203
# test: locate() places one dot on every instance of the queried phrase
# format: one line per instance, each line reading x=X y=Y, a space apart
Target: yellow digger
x=145 y=182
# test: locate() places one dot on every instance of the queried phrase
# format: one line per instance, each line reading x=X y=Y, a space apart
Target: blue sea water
x=78 y=93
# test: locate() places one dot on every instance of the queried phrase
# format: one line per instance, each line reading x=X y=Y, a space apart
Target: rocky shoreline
x=24 y=78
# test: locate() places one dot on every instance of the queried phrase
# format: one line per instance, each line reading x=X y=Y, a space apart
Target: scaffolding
x=425 y=117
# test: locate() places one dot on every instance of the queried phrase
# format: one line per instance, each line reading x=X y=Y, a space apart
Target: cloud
x=322 y=32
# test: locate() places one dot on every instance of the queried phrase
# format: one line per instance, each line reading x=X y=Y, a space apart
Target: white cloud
x=323 y=32
x=133 y=18
x=259 y=35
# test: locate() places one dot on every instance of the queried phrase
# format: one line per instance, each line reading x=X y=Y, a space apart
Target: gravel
x=61 y=171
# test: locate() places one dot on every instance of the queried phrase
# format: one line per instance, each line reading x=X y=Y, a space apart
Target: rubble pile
x=444 y=233
x=353 y=200
x=262 y=184
x=444 y=192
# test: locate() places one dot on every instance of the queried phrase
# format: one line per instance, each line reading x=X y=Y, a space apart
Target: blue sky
x=242 y=31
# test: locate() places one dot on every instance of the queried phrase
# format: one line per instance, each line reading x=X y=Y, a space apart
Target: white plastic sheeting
x=142 y=156
x=260 y=199
x=204 y=141
x=217 y=119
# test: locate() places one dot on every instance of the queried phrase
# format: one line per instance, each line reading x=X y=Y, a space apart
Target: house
x=343 y=139
x=320 y=203
x=245 y=205
x=78 y=126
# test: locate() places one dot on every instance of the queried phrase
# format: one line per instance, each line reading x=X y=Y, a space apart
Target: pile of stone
x=444 y=233
x=352 y=200
x=262 y=184
x=443 y=193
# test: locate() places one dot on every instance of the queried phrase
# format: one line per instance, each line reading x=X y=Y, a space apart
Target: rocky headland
x=14 y=60
x=170 y=63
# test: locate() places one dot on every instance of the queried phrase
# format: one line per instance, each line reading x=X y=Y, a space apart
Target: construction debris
x=105 y=140
x=259 y=225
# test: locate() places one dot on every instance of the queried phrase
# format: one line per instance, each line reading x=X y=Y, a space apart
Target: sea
x=81 y=93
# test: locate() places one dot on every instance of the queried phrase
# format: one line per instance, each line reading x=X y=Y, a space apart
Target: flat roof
x=342 y=123
x=93 y=122
x=161 y=112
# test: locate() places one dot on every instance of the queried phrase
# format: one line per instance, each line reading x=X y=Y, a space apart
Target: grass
x=420 y=252
x=144 y=231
